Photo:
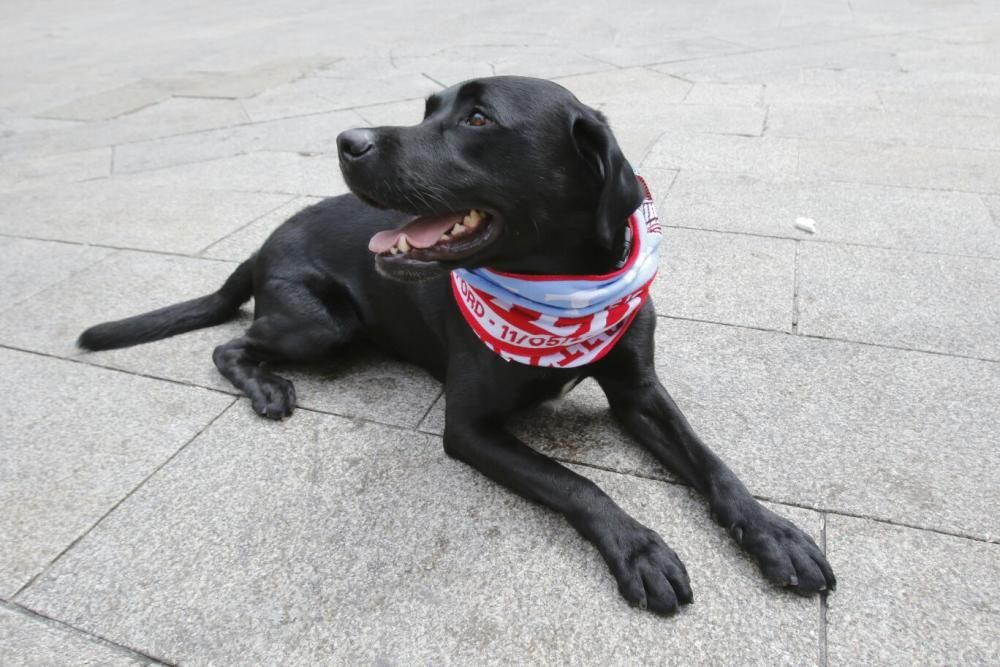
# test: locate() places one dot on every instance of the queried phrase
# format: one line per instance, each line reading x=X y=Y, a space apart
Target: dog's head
x=507 y=172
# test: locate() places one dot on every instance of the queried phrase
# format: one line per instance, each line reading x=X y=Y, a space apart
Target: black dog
x=542 y=188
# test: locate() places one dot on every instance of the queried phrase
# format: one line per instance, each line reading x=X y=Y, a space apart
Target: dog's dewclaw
x=805 y=225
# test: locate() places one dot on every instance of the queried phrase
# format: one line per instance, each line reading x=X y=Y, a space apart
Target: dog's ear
x=620 y=193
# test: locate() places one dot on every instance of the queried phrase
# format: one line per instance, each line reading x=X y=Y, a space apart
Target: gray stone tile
x=931 y=220
x=53 y=170
x=174 y=116
x=726 y=94
x=727 y=278
x=357 y=384
x=123 y=284
x=907 y=166
x=286 y=173
x=147 y=215
x=913 y=300
x=641 y=104
x=898 y=435
x=454 y=64
x=761 y=66
x=910 y=597
x=31 y=266
x=110 y=103
x=933 y=100
x=70 y=452
x=316 y=134
x=965 y=58
x=407 y=112
x=315 y=94
x=244 y=242
x=247 y=82
x=620 y=88
x=885 y=128
x=30 y=641
x=656 y=49
x=765 y=157
x=838 y=94
x=359 y=532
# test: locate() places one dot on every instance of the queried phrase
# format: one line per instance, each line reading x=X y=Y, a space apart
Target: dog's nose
x=355 y=143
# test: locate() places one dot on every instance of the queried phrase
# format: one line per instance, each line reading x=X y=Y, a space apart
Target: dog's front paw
x=648 y=572
x=272 y=396
x=785 y=554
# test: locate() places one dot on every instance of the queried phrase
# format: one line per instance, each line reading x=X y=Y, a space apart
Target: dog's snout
x=355 y=143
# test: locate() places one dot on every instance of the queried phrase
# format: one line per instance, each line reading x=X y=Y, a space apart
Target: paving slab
x=358 y=384
x=912 y=128
x=904 y=218
x=893 y=434
x=316 y=94
x=726 y=94
x=317 y=539
x=315 y=134
x=173 y=116
x=905 y=166
x=146 y=215
x=656 y=49
x=31 y=266
x=70 y=453
x=36 y=642
x=451 y=65
x=54 y=170
x=767 y=157
x=641 y=104
x=407 y=112
x=244 y=242
x=913 y=300
x=761 y=66
x=910 y=597
x=837 y=94
x=284 y=173
x=728 y=278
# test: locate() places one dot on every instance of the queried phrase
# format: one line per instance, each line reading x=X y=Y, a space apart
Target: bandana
x=562 y=321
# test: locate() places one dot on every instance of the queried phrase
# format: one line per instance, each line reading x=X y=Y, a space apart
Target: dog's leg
x=785 y=554
x=648 y=572
x=290 y=325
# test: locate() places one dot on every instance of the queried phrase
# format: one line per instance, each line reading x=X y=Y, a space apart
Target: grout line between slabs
x=795 y=290
x=823 y=630
x=217 y=241
x=166 y=253
x=89 y=636
x=851 y=341
x=833 y=242
x=63 y=626
x=791 y=503
x=124 y=498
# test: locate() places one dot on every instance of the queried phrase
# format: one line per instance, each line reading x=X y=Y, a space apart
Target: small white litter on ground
x=805 y=225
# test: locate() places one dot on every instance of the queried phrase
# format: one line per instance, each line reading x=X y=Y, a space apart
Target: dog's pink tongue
x=422 y=232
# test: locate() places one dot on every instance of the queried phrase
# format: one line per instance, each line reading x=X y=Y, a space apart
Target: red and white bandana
x=562 y=321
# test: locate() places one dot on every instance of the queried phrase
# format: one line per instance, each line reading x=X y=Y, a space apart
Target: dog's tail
x=205 y=311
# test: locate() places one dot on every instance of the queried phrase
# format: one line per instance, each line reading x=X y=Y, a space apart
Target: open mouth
x=435 y=238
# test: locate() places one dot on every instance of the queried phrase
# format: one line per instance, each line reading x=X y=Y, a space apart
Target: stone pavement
x=851 y=376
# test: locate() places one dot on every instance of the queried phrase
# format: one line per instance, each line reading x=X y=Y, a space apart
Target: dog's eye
x=477 y=119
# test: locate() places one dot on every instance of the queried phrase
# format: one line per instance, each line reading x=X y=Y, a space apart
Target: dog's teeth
x=458 y=229
x=403 y=245
x=394 y=250
x=445 y=237
x=473 y=219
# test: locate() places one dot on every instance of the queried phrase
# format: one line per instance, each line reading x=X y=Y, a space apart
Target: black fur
x=557 y=189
